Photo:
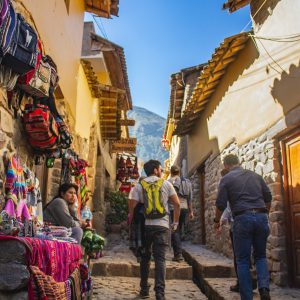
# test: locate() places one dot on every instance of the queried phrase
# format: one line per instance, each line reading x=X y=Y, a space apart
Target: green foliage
x=118 y=207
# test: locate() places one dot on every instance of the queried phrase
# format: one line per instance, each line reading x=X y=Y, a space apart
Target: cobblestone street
x=121 y=288
x=116 y=275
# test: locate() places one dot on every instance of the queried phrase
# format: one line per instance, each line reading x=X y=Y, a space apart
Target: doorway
x=291 y=170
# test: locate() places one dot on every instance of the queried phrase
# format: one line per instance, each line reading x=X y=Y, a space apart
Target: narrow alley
x=166 y=127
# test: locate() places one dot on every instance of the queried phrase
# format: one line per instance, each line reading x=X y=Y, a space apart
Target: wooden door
x=291 y=160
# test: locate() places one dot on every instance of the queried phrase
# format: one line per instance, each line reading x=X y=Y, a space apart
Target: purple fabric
x=10 y=208
x=21 y=211
x=4 y=11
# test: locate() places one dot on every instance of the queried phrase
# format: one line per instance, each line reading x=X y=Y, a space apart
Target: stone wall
x=262 y=156
x=13 y=269
x=195 y=226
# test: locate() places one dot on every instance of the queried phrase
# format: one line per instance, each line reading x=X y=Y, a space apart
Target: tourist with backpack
x=156 y=193
x=183 y=187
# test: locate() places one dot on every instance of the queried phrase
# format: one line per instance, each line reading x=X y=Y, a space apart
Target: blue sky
x=161 y=37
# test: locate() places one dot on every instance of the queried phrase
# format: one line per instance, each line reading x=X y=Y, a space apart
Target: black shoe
x=178 y=258
x=144 y=294
x=235 y=288
x=264 y=294
x=160 y=297
x=254 y=284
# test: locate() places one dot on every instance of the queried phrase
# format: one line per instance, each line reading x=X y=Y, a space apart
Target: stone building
x=246 y=101
x=93 y=94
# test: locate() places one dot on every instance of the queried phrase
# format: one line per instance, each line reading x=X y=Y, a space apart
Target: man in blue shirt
x=250 y=200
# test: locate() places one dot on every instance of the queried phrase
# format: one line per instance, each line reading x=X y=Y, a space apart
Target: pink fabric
x=57 y=259
x=21 y=211
x=10 y=208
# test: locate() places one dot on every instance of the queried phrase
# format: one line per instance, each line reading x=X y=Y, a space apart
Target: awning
x=209 y=79
x=111 y=102
x=233 y=5
x=102 y=8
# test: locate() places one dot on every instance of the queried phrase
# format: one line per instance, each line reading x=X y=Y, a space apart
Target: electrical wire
x=100 y=26
x=286 y=39
x=254 y=15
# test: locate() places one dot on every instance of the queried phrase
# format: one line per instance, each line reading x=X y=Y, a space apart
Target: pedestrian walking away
x=183 y=188
x=228 y=218
x=250 y=199
x=156 y=193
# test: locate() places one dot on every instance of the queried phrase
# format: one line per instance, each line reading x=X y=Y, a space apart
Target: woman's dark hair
x=65 y=187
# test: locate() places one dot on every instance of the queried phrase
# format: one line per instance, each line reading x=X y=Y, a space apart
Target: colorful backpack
x=22 y=54
x=154 y=208
x=41 y=128
x=25 y=79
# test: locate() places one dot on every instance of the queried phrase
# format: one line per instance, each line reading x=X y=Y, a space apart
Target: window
x=67 y=2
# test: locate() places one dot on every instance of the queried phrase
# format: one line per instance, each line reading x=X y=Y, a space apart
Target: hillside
x=148 y=129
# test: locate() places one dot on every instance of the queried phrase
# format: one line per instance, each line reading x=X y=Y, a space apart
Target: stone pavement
x=116 y=275
x=127 y=288
x=215 y=274
x=118 y=260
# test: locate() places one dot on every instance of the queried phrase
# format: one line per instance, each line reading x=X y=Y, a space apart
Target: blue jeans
x=251 y=229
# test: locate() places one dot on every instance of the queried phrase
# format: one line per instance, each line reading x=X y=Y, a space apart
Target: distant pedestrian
x=183 y=187
x=250 y=200
x=156 y=193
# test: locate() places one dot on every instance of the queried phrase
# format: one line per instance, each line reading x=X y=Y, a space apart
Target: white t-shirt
x=167 y=190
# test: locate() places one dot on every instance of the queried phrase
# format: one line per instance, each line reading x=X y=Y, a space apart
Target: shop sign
x=124 y=145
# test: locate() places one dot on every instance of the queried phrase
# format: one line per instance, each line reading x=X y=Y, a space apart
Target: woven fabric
x=76 y=285
x=57 y=259
x=48 y=288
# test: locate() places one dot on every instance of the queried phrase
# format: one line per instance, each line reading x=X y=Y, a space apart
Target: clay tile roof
x=233 y=5
x=115 y=59
x=102 y=8
x=209 y=79
x=177 y=93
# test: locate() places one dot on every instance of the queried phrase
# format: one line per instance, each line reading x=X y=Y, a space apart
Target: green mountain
x=148 y=129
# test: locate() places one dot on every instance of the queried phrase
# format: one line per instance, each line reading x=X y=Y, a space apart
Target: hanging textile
x=46 y=287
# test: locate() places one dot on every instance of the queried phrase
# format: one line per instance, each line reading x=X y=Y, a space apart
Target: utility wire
x=100 y=26
x=254 y=16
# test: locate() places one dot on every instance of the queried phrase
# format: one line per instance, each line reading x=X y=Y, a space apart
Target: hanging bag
x=23 y=51
x=41 y=128
x=38 y=86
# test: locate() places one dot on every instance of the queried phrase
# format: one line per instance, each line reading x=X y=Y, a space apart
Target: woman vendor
x=61 y=210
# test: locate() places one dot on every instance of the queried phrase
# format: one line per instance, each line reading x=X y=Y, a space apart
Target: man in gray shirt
x=250 y=200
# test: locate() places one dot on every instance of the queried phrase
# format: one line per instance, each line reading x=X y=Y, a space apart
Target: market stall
x=49 y=262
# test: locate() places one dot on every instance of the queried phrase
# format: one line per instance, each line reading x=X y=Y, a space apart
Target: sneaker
x=235 y=288
x=264 y=294
x=144 y=294
x=178 y=258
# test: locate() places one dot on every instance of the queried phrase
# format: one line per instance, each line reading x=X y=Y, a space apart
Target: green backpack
x=154 y=209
